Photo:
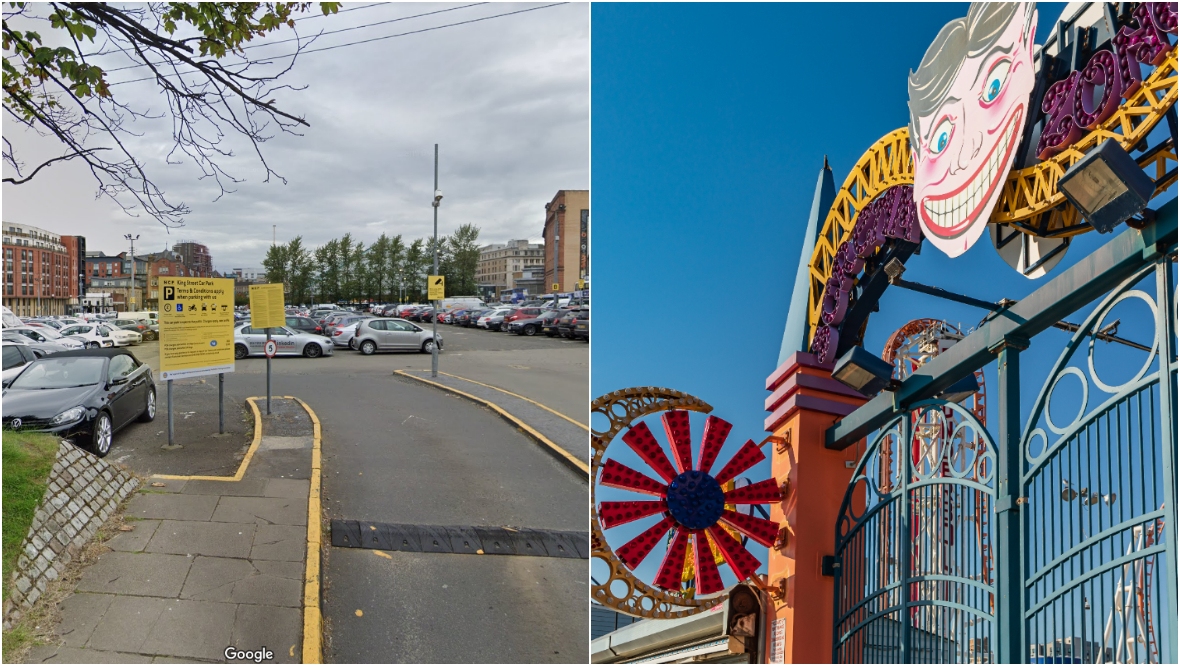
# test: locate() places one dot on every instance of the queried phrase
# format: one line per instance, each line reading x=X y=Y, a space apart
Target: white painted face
x=965 y=149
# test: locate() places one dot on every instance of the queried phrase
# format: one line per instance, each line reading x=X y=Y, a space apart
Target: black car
x=552 y=326
x=565 y=324
x=84 y=394
x=582 y=326
x=304 y=325
x=533 y=325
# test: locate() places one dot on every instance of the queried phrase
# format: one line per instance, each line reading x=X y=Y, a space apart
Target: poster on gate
x=196 y=327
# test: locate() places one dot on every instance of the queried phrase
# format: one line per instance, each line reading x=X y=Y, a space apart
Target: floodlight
x=1107 y=186
x=894 y=269
x=961 y=390
x=863 y=372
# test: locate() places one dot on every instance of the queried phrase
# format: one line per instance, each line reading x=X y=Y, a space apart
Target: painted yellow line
x=566 y=456
x=312 y=619
x=517 y=395
x=245 y=461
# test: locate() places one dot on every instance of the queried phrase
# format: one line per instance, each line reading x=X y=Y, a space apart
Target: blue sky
x=709 y=126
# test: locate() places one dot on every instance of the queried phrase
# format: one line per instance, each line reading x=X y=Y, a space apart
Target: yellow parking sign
x=436 y=287
x=266 y=306
x=196 y=326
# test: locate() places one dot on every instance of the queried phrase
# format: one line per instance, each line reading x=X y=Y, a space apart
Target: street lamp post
x=434 y=317
x=132 y=239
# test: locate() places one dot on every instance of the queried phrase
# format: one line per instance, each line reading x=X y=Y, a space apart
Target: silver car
x=388 y=334
x=289 y=342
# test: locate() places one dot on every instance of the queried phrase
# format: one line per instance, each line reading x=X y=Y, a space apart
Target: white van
x=325 y=306
x=151 y=315
x=463 y=302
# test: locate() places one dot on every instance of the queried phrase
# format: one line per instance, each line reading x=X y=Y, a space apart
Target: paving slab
x=264 y=510
x=243 y=488
x=279 y=542
x=126 y=624
x=55 y=654
x=80 y=614
x=275 y=443
x=141 y=574
x=240 y=581
x=279 y=629
x=137 y=539
x=189 y=537
x=289 y=488
x=172 y=506
x=197 y=629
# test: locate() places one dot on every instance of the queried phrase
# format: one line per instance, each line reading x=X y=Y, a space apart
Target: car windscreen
x=51 y=373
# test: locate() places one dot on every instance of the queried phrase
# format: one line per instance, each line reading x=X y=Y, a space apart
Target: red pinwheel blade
x=617 y=475
x=613 y=514
x=746 y=457
x=641 y=441
x=708 y=577
x=716 y=430
x=636 y=550
x=672 y=569
x=739 y=559
x=680 y=435
x=757 y=493
x=759 y=529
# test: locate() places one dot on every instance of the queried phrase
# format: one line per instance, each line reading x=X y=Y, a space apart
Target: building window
x=163 y=270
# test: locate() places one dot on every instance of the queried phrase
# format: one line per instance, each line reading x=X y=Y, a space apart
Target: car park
x=84 y=395
x=388 y=334
x=250 y=341
x=46 y=335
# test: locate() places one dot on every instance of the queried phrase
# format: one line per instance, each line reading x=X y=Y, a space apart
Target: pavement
x=208 y=564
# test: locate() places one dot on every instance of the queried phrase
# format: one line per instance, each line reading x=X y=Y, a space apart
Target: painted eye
x=994 y=83
x=942 y=136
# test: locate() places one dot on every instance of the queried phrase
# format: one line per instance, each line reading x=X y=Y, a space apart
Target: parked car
x=533 y=325
x=40 y=349
x=17 y=357
x=551 y=327
x=345 y=334
x=582 y=326
x=141 y=326
x=46 y=335
x=91 y=335
x=565 y=325
x=387 y=334
x=522 y=313
x=86 y=395
x=304 y=325
x=250 y=341
x=492 y=319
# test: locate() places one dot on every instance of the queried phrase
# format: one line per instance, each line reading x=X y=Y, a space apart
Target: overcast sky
x=506 y=99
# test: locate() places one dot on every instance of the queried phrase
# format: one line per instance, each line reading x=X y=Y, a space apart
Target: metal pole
x=1165 y=275
x=221 y=403
x=434 y=317
x=267 y=375
x=1010 y=567
x=170 y=413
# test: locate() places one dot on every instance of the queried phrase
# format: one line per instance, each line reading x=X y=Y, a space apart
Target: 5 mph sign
x=270 y=348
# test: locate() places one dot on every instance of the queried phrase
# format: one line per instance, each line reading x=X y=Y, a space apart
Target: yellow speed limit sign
x=196 y=326
x=436 y=287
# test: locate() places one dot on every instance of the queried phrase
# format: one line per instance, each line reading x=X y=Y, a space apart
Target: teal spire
x=796 y=335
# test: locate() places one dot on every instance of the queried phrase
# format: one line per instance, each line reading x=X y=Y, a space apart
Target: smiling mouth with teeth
x=949 y=215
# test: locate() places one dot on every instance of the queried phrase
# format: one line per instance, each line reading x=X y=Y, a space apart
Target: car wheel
x=352 y=344
x=149 y=409
x=368 y=347
x=428 y=347
x=101 y=435
x=241 y=351
x=530 y=330
x=312 y=350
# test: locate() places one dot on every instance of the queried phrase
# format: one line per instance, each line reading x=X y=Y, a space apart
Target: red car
x=522 y=313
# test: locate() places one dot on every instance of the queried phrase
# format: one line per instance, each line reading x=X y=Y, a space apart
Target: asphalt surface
x=398 y=451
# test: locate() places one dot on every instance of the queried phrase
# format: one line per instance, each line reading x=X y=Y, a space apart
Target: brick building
x=40 y=271
x=166 y=264
x=567 y=240
x=195 y=257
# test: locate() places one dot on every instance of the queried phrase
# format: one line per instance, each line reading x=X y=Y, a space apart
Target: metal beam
x=1083 y=282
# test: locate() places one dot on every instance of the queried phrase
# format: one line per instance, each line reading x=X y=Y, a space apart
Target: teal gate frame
x=1081 y=531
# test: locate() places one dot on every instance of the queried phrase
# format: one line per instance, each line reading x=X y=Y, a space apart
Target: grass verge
x=27 y=460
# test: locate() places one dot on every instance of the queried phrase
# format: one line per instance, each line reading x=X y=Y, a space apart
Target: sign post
x=266 y=311
x=196 y=334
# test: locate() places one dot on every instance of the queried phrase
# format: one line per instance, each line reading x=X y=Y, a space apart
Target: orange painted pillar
x=804 y=402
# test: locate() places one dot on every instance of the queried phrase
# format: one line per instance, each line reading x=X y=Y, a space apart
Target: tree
x=194 y=52
x=276 y=264
x=414 y=267
x=299 y=270
x=395 y=260
x=378 y=261
x=463 y=253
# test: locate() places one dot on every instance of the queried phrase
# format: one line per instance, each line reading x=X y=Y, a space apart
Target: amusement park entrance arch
x=1048 y=539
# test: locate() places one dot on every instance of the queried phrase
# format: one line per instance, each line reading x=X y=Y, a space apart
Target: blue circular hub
x=695 y=500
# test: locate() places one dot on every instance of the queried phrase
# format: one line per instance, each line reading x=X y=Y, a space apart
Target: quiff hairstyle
x=958 y=40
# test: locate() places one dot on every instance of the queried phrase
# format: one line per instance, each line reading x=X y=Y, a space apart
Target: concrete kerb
x=561 y=454
x=517 y=395
x=312 y=616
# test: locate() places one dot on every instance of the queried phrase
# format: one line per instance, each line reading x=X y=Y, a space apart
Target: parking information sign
x=436 y=287
x=266 y=306
x=196 y=326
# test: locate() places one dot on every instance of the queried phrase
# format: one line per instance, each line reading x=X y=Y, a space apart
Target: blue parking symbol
x=212 y=343
x=180 y=307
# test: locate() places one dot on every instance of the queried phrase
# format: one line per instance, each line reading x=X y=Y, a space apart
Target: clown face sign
x=968 y=105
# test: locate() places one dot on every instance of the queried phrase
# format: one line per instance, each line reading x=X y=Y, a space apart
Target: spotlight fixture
x=1107 y=186
x=863 y=372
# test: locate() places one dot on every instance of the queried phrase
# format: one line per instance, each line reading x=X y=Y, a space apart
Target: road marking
x=564 y=455
x=517 y=395
x=312 y=618
x=381 y=554
x=245 y=461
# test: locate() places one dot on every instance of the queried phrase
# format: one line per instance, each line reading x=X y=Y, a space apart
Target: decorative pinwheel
x=692 y=503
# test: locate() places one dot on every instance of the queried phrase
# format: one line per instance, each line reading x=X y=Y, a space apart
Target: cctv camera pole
x=434 y=317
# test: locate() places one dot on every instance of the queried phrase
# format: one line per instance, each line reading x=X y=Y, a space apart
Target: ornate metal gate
x=916 y=582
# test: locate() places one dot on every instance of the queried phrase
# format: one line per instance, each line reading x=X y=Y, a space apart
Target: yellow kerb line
x=517 y=395
x=500 y=410
x=245 y=461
